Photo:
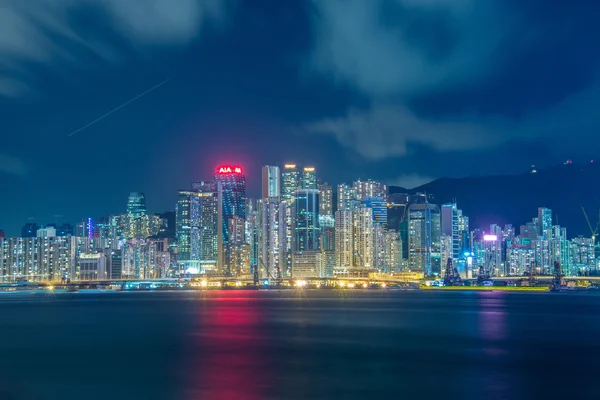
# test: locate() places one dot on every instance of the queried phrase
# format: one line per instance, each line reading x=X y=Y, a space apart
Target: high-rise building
x=187 y=215
x=544 y=221
x=270 y=182
x=307 y=232
x=290 y=182
x=238 y=262
x=424 y=236
x=393 y=251
x=344 y=248
x=46 y=232
x=197 y=223
x=270 y=264
x=379 y=210
x=136 y=204
x=231 y=188
x=363 y=238
x=370 y=188
x=347 y=197
x=450 y=229
x=309 y=178
x=325 y=199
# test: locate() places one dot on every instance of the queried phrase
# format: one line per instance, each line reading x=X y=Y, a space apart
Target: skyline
x=512 y=83
x=255 y=189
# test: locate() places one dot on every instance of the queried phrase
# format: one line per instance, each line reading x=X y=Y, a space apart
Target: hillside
x=514 y=199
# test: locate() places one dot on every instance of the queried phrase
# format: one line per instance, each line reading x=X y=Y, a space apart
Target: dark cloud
x=460 y=75
x=46 y=32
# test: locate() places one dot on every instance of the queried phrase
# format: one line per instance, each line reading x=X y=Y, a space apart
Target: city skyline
x=465 y=88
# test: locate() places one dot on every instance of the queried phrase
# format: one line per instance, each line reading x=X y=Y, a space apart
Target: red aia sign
x=229 y=170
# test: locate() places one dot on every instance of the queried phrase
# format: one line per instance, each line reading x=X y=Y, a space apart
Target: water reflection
x=225 y=358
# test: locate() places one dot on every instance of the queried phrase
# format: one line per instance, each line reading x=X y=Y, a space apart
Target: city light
x=490 y=238
x=225 y=169
x=300 y=283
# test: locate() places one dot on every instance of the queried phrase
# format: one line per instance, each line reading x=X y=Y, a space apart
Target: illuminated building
x=450 y=230
x=270 y=182
x=309 y=178
x=325 y=200
x=270 y=235
x=115 y=259
x=196 y=230
x=544 y=222
x=424 y=238
x=369 y=188
x=363 y=238
x=379 y=210
x=92 y=266
x=136 y=204
x=308 y=264
x=290 y=182
x=379 y=248
x=46 y=232
x=147 y=259
x=346 y=197
x=238 y=252
x=343 y=239
x=306 y=229
x=231 y=189
x=252 y=230
x=393 y=251
x=327 y=225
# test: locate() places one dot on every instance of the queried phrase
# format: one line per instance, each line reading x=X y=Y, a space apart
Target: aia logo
x=229 y=170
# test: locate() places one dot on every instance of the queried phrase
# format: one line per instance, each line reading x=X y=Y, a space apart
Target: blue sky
x=402 y=90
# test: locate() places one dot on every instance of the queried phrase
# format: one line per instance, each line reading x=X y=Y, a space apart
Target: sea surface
x=311 y=344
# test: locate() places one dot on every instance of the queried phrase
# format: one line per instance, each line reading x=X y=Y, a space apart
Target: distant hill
x=514 y=199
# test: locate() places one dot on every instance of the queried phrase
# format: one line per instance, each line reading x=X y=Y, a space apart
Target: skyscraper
x=325 y=199
x=136 y=204
x=544 y=221
x=307 y=220
x=270 y=182
x=370 y=188
x=379 y=210
x=290 y=179
x=196 y=230
x=187 y=216
x=346 y=197
x=449 y=228
x=231 y=188
x=309 y=178
x=344 y=247
x=269 y=238
x=424 y=238
x=363 y=237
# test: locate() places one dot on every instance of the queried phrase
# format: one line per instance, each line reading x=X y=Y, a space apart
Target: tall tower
x=544 y=221
x=231 y=188
x=343 y=239
x=307 y=232
x=326 y=199
x=270 y=182
x=136 y=205
x=346 y=197
x=424 y=238
x=290 y=182
x=309 y=178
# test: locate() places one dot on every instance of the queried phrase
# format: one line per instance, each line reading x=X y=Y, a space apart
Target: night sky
x=403 y=91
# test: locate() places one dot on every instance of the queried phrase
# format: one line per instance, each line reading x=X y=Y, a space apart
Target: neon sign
x=225 y=169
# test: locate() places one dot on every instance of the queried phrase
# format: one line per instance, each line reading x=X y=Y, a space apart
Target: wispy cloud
x=12 y=165
x=396 y=51
x=42 y=32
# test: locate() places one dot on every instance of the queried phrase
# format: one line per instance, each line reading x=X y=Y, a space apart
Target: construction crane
x=592 y=230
